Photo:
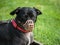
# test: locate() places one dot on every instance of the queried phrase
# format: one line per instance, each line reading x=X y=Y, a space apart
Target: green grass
x=47 y=28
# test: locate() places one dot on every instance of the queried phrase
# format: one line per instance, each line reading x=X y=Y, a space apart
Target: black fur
x=12 y=36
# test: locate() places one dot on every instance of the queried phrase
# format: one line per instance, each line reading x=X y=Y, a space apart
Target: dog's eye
x=30 y=14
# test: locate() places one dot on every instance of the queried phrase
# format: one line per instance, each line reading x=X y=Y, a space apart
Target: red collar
x=19 y=28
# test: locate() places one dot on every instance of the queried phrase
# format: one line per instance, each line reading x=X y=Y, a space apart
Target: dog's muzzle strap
x=17 y=27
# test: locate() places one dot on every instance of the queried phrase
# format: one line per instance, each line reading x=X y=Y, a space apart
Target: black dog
x=16 y=31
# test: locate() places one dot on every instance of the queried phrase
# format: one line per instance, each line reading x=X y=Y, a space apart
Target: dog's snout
x=31 y=25
x=30 y=21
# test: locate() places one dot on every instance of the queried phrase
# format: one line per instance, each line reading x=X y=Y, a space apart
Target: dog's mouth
x=28 y=25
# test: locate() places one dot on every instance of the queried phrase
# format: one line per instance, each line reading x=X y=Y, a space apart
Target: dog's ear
x=37 y=11
x=15 y=11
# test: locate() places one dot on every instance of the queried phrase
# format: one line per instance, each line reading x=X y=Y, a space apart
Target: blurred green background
x=47 y=28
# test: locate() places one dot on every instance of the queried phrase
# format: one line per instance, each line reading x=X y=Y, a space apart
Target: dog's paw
x=36 y=43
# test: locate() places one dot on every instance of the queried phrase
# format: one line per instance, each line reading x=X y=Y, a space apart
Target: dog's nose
x=31 y=26
x=30 y=23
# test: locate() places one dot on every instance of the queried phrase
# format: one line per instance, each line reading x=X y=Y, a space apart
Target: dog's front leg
x=36 y=43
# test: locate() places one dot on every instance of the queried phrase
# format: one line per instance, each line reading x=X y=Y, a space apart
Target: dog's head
x=26 y=14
